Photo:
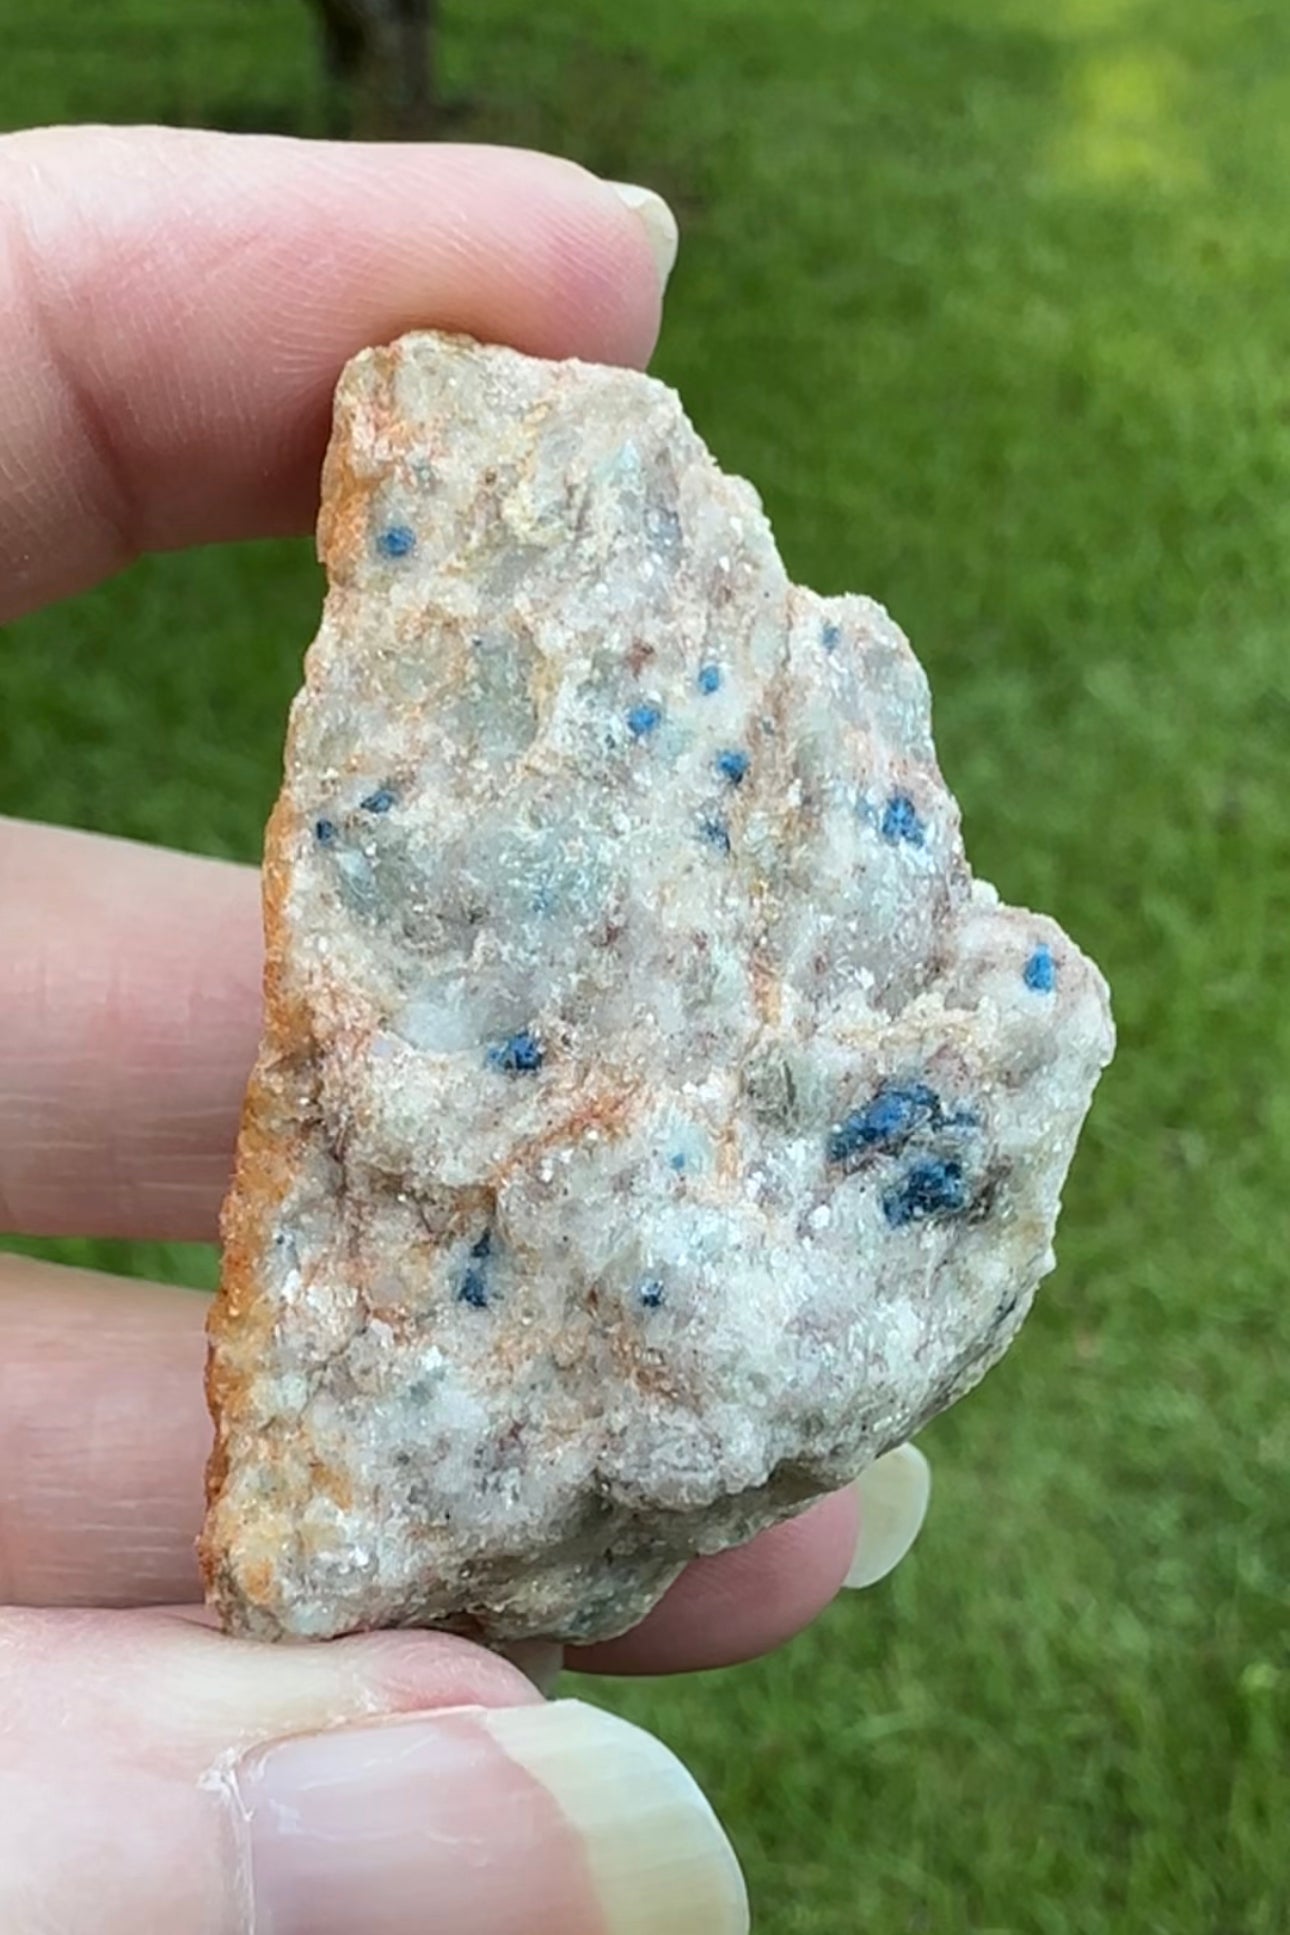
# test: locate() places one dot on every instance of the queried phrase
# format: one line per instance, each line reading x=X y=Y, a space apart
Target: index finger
x=178 y=305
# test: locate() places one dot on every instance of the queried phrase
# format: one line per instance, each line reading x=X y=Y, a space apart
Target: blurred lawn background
x=991 y=299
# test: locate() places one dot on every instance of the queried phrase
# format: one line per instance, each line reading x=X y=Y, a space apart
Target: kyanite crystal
x=654 y=1121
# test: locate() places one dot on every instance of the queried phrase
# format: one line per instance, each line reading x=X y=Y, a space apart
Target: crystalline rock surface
x=654 y=1120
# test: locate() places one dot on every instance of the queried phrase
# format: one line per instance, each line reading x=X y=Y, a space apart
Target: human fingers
x=178 y=304
x=740 y=1604
x=103 y=1437
x=156 y=1775
x=129 y=1016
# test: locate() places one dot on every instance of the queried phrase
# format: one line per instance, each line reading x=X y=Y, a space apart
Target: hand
x=177 y=308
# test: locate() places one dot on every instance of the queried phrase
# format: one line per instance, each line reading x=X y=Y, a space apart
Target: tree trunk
x=378 y=64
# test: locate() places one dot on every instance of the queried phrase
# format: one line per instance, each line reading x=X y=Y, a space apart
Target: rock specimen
x=654 y=1121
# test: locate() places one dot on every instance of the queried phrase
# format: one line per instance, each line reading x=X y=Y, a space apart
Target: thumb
x=154 y=1774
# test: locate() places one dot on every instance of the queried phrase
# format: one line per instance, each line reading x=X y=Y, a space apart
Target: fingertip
x=599 y=283
x=407 y=1671
x=739 y=1604
x=297 y=1687
x=658 y=222
x=505 y=244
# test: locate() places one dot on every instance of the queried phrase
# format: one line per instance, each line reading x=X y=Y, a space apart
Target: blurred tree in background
x=378 y=63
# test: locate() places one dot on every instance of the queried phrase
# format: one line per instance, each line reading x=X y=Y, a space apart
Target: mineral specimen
x=654 y=1120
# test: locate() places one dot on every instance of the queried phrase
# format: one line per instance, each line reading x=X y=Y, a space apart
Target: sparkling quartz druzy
x=654 y=1120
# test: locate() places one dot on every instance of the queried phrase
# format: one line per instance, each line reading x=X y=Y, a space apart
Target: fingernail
x=659 y=223
x=893 y=1496
x=497 y=1821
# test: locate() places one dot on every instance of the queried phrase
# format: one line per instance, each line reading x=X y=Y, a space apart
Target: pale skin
x=175 y=311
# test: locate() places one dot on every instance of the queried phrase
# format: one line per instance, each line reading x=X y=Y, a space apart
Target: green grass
x=990 y=298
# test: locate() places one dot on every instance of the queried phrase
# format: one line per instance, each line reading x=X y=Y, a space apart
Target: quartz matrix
x=655 y=1120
